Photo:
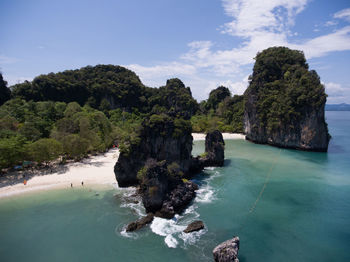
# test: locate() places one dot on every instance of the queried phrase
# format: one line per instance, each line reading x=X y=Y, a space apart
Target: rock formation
x=194 y=226
x=285 y=102
x=214 y=154
x=133 y=226
x=158 y=160
x=161 y=138
x=227 y=251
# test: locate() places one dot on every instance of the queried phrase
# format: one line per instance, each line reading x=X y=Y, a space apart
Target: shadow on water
x=227 y=162
x=335 y=149
x=314 y=157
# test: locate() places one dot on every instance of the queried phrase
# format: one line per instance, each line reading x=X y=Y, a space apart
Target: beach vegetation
x=44 y=150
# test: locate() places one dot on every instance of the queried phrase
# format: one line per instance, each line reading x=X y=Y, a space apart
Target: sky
x=205 y=43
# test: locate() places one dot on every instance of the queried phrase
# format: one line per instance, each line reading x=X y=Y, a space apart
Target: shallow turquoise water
x=302 y=215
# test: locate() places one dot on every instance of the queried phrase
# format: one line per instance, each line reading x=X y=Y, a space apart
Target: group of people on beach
x=82 y=184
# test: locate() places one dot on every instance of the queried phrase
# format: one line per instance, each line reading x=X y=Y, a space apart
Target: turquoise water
x=302 y=215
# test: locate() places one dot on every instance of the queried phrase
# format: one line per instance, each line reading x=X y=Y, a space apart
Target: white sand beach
x=201 y=136
x=96 y=170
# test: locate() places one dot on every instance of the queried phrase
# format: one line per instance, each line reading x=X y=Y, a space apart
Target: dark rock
x=194 y=226
x=178 y=200
x=155 y=185
x=158 y=160
x=133 y=226
x=227 y=251
x=161 y=138
x=214 y=149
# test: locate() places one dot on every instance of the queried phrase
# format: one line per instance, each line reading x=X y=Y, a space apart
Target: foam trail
x=167 y=228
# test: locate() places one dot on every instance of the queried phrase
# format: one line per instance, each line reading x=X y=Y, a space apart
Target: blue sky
x=206 y=43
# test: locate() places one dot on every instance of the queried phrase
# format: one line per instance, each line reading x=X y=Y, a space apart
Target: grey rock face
x=227 y=251
x=214 y=148
x=156 y=141
x=310 y=133
x=194 y=226
x=133 y=226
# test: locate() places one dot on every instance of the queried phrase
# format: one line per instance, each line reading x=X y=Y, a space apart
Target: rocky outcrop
x=194 y=226
x=178 y=199
x=285 y=102
x=214 y=149
x=227 y=251
x=214 y=154
x=159 y=161
x=161 y=138
x=133 y=226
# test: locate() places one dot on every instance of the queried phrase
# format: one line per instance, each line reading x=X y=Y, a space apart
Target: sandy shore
x=201 y=136
x=96 y=170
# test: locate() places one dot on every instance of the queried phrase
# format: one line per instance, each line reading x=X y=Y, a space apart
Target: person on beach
x=24 y=182
x=71 y=184
x=82 y=183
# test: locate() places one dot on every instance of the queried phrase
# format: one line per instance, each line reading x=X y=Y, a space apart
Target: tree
x=216 y=96
x=11 y=150
x=5 y=93
x=44 y=150
x=75 y=146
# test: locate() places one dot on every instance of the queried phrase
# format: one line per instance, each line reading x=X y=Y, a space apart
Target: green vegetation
x=284 y=86
x=5 y=93
x=42 y=131
x=101 y=87
x=76 y=112
x=221 y=111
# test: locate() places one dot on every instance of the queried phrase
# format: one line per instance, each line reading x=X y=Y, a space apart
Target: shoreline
x=201 y=136
x=96 y=170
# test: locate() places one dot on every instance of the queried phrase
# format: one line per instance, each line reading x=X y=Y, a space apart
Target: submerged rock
x=194 y=226
x=227 y=251
x=138 y=224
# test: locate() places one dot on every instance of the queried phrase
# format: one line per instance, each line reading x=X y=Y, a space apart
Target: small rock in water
x=194 y=226
x=133 y=226
x=227 y=251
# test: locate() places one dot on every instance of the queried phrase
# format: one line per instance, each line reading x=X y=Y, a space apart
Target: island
x=285 y=102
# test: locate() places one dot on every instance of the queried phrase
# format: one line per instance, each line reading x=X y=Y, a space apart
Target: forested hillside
x=76 y=112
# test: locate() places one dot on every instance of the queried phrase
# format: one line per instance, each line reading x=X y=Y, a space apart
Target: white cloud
x=322 y=45
x=337 y=93
x=259 y=25
x=12 y=80
x=236 y=88
x=343 y=14
x=252 y=16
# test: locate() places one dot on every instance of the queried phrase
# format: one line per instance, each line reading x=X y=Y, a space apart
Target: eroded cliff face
x=160 y=138
x=285 y=102
x=159 y=162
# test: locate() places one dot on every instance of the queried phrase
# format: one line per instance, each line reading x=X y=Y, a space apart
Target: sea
x=285 y=205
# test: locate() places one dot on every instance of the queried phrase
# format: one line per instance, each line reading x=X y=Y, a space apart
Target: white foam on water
x=132 y=235
x=171 y=241
x=192 y=238
x=167 y=228
x=172 y=229
x=205 y=194
x=128 y=196
x=211 y=168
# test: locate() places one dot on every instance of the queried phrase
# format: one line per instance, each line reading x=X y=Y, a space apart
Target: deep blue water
x=302 y=215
